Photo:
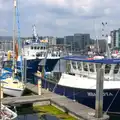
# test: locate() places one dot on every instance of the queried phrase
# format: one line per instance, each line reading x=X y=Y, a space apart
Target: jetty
x=75 y=109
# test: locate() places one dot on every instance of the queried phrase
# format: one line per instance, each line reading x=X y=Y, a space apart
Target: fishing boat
x=35 y=51
x=79 y=82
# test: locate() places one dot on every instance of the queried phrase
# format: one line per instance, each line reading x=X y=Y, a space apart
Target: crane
x=35 y=35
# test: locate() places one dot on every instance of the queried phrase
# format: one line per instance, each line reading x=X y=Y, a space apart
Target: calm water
x=36 y=117
x=47 y=117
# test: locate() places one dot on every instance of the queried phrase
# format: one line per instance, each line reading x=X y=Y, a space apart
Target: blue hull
x=32 y=66
x=86 y=96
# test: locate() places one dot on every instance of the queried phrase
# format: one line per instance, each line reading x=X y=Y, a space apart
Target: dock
x=75 y=109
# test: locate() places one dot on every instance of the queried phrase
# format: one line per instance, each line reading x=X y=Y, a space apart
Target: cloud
x=61 y=17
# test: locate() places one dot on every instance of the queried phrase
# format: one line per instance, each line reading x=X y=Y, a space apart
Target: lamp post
x=105 y=36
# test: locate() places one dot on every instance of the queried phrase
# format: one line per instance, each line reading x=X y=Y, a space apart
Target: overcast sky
x=61 y=17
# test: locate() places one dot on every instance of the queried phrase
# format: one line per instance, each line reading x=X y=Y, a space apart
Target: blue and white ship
x=79 y=82
x=35 y=51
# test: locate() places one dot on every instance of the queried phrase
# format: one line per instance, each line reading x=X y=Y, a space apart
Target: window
x=68 y=67
x=116 y=69
x=8 y=64
x=91 y=67
x=107 y=68
x=74 y=64
x=31 y=47
x=79 y=66
x=85 y=67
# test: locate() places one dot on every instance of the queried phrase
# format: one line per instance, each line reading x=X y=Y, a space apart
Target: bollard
x=99 y=93
x=39 y=87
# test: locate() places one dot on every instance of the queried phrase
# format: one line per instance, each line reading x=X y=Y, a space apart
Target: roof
x=83 y=59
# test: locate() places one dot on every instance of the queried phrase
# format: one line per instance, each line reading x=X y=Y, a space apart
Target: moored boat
x=79 y=82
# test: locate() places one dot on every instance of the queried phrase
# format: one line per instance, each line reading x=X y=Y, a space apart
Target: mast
x=20 y=46
x=106 y=40
x=14 y=26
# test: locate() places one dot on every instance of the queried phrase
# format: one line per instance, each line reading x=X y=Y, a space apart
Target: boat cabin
x=32 y=49
x=88 y=68
x=40 y=50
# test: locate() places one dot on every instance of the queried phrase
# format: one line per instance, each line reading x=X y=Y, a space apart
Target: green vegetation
x=47 y=109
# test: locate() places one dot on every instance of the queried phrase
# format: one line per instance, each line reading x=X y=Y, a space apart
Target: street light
x=105 y=36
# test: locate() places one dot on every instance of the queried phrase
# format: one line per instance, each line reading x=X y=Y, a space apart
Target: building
x=102 y=45
x=6 y=43
x=59 y=41
x=80 y=41
x=115 y=38
x=51 y=40
x=68 y=40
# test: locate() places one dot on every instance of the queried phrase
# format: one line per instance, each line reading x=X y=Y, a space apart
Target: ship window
x=107 y=68
x=38 y=48
x=85 y=67
x=8 y=64
x=117 y=66
x=98 y=65
x=34 y=47
x=68 y=67
x=74 y=64
x=44 y=47
x=91 y=66
x=41 y=48
x=31 y=47
x=79 y=66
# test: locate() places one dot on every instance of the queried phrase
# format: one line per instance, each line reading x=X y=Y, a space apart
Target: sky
x=61 y=17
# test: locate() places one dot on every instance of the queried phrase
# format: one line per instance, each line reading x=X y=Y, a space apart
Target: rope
x=112 y=101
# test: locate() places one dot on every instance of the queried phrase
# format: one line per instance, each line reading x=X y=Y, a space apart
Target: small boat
x=12 y=87
x=7 y=114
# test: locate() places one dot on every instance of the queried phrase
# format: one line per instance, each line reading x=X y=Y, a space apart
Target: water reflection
x=36 y=117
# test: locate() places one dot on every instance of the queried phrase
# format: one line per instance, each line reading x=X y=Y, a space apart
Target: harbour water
x=36 y=117
x=46 y=112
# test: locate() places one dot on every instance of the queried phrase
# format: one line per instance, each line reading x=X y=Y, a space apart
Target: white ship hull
x=13 y=92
